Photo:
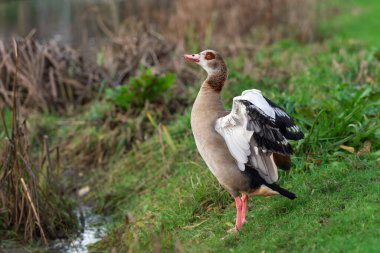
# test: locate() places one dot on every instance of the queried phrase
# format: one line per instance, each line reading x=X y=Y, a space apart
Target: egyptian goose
x=244 y=147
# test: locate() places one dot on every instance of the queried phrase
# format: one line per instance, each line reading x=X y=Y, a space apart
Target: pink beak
x=192 y=57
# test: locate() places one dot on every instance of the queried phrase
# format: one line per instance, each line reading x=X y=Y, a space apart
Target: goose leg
x=239 y=206
x=238 y=224
x=244 y=199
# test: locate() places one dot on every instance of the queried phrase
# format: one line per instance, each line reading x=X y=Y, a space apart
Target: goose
x=243 y=147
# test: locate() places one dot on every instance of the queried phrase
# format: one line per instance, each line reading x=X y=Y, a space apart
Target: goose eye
x=209 y=56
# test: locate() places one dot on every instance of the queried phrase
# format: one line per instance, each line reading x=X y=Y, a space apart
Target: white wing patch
x=254 y=96
x=233 y=128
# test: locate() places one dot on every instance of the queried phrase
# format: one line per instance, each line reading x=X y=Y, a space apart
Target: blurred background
x=95 y=103
x=109 y=40
x=82 y=23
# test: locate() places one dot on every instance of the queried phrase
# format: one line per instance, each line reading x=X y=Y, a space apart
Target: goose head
x=213 y=63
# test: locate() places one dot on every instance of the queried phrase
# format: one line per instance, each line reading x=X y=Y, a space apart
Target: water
x=73 y=22
x=94 y=229
x=52 y=19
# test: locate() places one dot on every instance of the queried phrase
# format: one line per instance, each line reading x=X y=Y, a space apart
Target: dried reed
x=50 y=76
x=32 y=203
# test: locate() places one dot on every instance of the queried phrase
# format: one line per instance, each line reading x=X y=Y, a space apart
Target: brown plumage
x=282 y=161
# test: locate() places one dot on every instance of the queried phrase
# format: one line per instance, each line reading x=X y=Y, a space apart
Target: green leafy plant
x=146 y=86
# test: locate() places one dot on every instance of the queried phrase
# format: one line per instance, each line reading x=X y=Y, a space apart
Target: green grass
x=359 y=21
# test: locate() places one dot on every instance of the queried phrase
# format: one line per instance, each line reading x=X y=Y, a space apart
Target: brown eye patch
x=210 y=56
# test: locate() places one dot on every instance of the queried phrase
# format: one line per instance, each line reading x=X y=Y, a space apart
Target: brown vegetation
x=219 y=22
x=135 y=44
x=51 y=76
x=223 y=22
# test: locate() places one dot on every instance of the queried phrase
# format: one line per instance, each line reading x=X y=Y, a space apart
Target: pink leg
x=244 y=199
x=239 y=205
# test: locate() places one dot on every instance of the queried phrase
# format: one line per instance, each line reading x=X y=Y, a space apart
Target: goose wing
x=253 y=135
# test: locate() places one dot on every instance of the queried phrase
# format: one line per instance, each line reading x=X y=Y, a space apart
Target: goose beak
x=192 y=57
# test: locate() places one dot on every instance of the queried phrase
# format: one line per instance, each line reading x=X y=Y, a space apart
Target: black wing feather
x=285 y=123
x=266 y=133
